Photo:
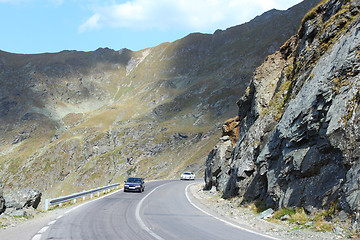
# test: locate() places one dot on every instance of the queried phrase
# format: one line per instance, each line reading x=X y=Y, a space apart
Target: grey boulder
x=23 y=198
x=2 y=200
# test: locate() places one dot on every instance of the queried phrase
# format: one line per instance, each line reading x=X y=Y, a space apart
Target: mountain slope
x=75 y=120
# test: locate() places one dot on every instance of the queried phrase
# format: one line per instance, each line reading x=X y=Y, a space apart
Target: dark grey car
x=135 y=184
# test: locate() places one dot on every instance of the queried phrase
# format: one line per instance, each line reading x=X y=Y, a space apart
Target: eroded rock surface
x=298 y=141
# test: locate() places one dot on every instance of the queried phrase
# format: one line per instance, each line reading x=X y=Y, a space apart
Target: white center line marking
x=43 y=229
x=140 y=221
x=36 y=237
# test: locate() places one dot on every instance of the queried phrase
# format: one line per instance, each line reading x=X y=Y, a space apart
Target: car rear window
x=134 y=180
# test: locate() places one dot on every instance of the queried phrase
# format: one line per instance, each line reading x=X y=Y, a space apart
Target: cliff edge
x=298 y=122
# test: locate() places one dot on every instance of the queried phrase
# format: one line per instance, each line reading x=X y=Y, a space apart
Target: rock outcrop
x=298 y=142
x=23 y=198
x=16 y=202
x=2 y=200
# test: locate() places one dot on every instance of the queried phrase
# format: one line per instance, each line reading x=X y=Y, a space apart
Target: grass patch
x=72 y=118
x=323 y=226
x=123 y=91
x=283 y=212
x=351 y=107
x=298 y=217
x=256 y=206
x=277 y=103
x=311 y=15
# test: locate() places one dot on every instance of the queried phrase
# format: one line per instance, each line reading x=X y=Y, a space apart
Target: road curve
x=161 y=212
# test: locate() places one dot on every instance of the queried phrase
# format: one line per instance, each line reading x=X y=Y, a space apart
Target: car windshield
x=187 y=173
x=134 y=180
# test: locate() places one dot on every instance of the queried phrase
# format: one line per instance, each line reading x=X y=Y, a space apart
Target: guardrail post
x=74 y=200
x=46 y=204
x=91 y=195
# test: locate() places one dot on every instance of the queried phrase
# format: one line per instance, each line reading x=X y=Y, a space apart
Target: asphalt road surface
x=162 y=211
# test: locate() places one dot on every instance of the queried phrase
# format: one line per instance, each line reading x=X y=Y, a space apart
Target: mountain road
x=162 y=211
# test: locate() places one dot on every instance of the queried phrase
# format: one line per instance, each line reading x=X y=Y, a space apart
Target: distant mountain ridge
x=93 y=118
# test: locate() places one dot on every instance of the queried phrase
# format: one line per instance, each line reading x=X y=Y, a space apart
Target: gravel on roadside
x=15 y=228
x=242 y=216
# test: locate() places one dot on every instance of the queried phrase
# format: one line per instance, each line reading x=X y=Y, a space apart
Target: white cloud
x=192 y=15
x=91 y=23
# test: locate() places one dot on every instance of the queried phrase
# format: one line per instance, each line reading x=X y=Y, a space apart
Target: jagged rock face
x=298 y=138
x=218 y=163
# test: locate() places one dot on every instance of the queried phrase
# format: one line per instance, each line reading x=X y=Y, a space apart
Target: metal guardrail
x=74 y=196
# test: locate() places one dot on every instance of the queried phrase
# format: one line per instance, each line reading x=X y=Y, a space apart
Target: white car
x=187 y=176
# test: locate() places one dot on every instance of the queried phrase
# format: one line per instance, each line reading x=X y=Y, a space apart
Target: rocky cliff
x=76 y=120
x=298 y=122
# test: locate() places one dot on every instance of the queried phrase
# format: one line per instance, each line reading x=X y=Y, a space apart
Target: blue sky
x=38 y=26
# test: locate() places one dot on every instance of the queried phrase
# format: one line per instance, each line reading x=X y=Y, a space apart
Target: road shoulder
x=29 y=228
x=229 y=211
